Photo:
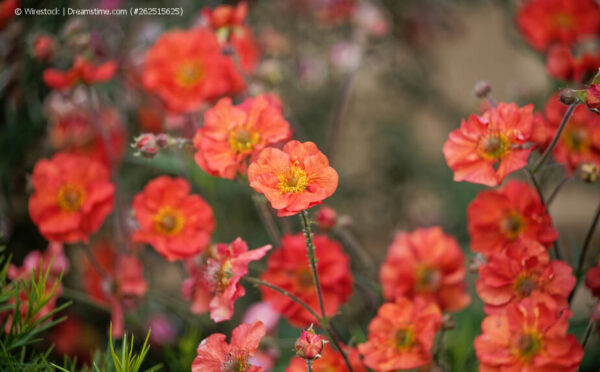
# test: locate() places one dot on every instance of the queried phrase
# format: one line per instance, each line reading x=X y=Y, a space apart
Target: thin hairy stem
x=557 y=189
x=549 y=149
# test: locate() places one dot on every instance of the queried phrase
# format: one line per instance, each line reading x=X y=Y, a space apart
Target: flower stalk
x=559 y=131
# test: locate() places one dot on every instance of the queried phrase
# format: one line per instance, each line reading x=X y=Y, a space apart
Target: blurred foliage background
x=397 y=106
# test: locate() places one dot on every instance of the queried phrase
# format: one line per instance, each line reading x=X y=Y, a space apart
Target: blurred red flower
x=226 y=15
x=72 y=196
x=563 y=65
x=580 y=140
x=401 y=335
x=543 y=22
x=216 y=355
x=44 y=47
x=176 y=223
x=119 y=285
x=425 y=263
x=82 y=72
x=288 y=268
x=511 y=213
x=293 y=179
x=522 y=271
x=531 y=336
x=487 y=148
x=232 y=135
x=214 y=282
x=592 y=280
x=330 y=361
x=326 y=218
x=74 y=132
x=186 y=69
x=7 y=11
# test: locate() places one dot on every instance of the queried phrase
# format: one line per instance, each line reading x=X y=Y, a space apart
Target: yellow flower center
x=528 y=344
x=294 y=179
x=428 y=279
x=525 y=284
x=70 y=197
x=168 y=221
x=404 y=338
x=494 y=146
x=577 y=138
x=512 y=226
x=189 y=74
x=243 y=140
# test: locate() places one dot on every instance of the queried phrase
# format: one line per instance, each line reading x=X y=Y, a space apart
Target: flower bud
x=592 y=97
x=146 y=145
x=448 y=322
x=482 y=89
x=309 y=345
x=326 y=218
x=44 y=47
x=567 y=96
x=589 y=172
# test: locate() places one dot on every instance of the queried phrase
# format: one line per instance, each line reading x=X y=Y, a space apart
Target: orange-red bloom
x=216 y=355
x=487 y=148
x=176 y=223
x=214 y=281
x=82 y=72
x=531 y=336
x=226 y=15
x=231 y=135
x=119 y=285
x=509 y=214
x=72 y=196
x=293 y=179
x=287 y=268
x=562 y=65
x=401 y=335
x=329 y=361
x=425 y=263
x=523 y=270
x=543 y=22
x=580 y=140
x=187 y=69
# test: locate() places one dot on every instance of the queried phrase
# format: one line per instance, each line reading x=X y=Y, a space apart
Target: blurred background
x=381 y=106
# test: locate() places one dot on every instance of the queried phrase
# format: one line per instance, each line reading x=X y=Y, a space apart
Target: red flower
x=509 y=214
x=231 y=135
x=425 y=263
x=216 y=355
x=245 y=47
x=523 y=270
x=287 y=269
x=592 y=280
x=401 y=335
x=309 y=345
x=592 y=96
x=562 y=65
x=178 y=225
x=226 y=15
x=72 y=196
x=44 y=47
x=81 y=72
x=495 y=138
x=187 y=68
x=214 y=282
x=543 y=22
x=74 y=132
x=123 y=284
x=330 y=361
x=326 y=218
x=531 y=336
x=580 y=140
x=293 y=179
x=7 y=11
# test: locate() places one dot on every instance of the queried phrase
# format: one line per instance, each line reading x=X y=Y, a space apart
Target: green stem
x=292 y=297
x=557 y=189
x=309 y=365
x=538 y=188
x=82 y=297
x=587 y=241
x=561 y=127
x=588 y=332
x=312 y=260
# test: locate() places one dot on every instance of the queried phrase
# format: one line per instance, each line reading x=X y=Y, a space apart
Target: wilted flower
x=589 y=172
x=216 y=355
x=214 y=284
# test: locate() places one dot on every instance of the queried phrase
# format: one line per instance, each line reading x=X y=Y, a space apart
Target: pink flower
x=216 y=355
x=214 y=281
